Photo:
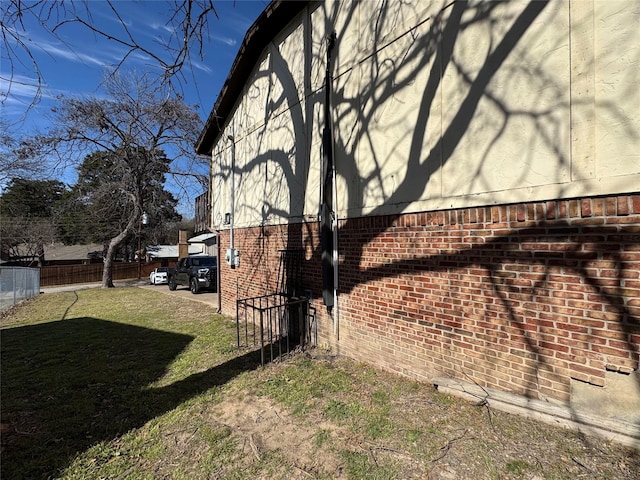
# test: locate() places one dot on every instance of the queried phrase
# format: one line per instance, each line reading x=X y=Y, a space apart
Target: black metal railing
x=277 y=323
x=280 y=321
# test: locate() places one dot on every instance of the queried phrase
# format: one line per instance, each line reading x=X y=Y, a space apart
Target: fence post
x=13 y=283
x=261 y=338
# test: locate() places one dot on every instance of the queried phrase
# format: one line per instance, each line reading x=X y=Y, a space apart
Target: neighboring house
x=202 y=213
x=469 y=207
x=167 y=254
x=205 y=242
x=61 y=254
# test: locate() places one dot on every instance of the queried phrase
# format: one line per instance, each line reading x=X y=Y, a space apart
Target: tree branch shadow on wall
x=431 y=53
x=420 y=170
x=500 y=257
x=436 y=48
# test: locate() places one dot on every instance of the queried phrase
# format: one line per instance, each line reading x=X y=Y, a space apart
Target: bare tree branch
x=187 y=20
x=142 y=130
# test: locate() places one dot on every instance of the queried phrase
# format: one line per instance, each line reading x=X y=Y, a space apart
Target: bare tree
x=187 y=22
x=14 y=159
x=143 y=131
x=23 y=239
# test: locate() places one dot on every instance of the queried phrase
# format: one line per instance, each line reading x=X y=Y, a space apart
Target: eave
x=271 y=21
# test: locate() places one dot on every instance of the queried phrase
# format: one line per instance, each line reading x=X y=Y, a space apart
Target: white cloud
x=17 y=95
x=201 y=66
x=18 y=83
x=21 y=90
x=160 y=26
x=57 y=49
x=226 y=40
x=70 y=54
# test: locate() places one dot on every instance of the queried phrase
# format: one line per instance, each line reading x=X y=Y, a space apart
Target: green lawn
x=138 y=384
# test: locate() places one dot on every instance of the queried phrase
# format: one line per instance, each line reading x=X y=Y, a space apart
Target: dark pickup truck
x=197 y=272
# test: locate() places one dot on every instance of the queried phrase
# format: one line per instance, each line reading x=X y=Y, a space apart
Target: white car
x=159 y=275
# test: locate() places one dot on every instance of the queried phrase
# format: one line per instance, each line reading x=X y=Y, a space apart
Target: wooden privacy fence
x=70 y=274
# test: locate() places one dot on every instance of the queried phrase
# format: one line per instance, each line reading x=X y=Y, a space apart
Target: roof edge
x=275 y=17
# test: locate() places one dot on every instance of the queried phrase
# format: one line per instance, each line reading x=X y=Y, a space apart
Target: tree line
x=121 y=146
x=36 y=213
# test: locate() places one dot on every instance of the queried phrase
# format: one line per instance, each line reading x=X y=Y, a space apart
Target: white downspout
x=336 y=310
x=334 y=191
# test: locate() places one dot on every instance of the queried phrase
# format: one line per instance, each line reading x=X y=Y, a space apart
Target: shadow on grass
x=70 y=384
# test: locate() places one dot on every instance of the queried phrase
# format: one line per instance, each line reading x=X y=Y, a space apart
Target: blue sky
x=74 y=63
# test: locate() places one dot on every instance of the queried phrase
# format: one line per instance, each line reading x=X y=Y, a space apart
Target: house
x=169 y=253
x=463 y=180
x=60 y=254
x=202 y=213
x=202 y=244
x=55 y=253
x=205 y=244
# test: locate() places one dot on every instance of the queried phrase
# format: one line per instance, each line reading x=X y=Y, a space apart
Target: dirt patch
x=386 y=427
x=262 y=426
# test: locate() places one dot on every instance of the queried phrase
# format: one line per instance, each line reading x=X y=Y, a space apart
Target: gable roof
x=61 y=252
x=203 y=237
x=170 y=251
x=271 y=21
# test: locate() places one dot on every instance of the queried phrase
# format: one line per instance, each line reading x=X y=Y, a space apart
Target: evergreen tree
x=30 y=198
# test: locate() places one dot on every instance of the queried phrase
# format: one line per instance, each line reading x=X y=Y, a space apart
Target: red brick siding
x=517 y=297
x=259 y=260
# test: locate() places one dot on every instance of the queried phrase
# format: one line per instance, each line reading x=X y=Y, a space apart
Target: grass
x=137 y=384
x=80 y=369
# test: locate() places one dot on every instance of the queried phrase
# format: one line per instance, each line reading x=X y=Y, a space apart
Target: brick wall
x=522 y=298
x=259 y=260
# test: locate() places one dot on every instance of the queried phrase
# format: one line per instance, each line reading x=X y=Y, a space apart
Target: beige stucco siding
x=439 y=106
x=218 y=183
x=518 y=135
x=617 y=88
x=397 y=126
x=269 y=127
